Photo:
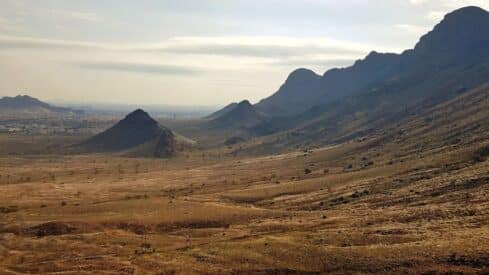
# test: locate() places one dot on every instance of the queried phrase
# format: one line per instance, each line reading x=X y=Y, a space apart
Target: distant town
x=67 y=126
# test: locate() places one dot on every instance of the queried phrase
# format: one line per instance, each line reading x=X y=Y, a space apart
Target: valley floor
x=342 y=209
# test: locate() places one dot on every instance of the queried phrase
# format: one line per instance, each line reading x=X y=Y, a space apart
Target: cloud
x=442 y=7
x=225 y=53
x=33 y=43
x=84 y=16
x=261 y=46
x=157 y=69
x=320 y=62
x=228 y=46
x=3 y=23
x=453 y=4
x=448 y=5
x=261 y=51
x=435 y=15
x=7 y=26
x=72 y=15
x=414 y=29
x=417 y=2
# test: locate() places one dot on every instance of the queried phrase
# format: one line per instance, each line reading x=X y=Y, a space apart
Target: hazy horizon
x=194 y=53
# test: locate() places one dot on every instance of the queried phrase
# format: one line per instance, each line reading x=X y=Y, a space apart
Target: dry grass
x=103 y=214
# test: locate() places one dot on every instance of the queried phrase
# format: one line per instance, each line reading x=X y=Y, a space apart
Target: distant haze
x=156 y=110
x=194 y=52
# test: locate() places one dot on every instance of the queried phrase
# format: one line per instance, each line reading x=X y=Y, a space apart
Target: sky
x=194 y=52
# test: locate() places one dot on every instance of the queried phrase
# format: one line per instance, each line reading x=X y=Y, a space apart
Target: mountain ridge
x=243 y=115
x=285 y=101
x=459 y=38
x=222 y=111
x=25 y=103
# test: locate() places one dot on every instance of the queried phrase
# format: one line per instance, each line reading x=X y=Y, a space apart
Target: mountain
x=243 y=115
x=300 y=89
x=462 y=34
x=137 y=134
x=304 y=89
x=387 y=87
x=222 y=111
x=456 y=43
x=27 y=104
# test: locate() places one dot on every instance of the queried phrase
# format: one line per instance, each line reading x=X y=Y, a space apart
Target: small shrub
x=355 y=195
x=307 y=171
x=481 y=154
x=9 y=209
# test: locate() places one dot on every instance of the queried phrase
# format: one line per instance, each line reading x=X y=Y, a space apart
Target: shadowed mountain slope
x=138 y=134
x=300 y=89
x=460 y=121
x=222 y=111
x=405 y=85
x=378 y=91
x=460 y=41
x=243 y=115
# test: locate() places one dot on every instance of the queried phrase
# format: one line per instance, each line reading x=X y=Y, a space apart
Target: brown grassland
x=414 y=199
x=194 y=214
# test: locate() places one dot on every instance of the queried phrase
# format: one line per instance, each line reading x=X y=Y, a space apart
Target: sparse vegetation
x=354 y=209
x=481 y=154
x=391 y=181
x=8 y=209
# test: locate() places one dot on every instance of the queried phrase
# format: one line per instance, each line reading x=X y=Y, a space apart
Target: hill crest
x=243 y=115
x=28 y=104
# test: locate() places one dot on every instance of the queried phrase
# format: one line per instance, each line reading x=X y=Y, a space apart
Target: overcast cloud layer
x=200 y=52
